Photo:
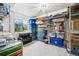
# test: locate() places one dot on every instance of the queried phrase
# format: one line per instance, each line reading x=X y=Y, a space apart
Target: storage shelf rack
x=62 y=15
x=72 y=47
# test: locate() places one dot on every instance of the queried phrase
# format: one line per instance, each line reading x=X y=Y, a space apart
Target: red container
x=74 y=9
x=17 y=52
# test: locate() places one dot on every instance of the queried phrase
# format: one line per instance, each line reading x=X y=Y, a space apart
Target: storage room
x=39 y=29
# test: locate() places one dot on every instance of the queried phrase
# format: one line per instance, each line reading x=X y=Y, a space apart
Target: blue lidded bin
x=56 y=41
x=33 y=21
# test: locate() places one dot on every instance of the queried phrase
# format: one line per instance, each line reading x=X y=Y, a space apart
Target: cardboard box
x=61 y=27
x=40 y=19
x=58 y=20
x=51 y=27
x=75 y=23
x=75 y=39
x=57 y=27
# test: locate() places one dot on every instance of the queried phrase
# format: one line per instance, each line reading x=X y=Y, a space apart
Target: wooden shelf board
x=75 y=32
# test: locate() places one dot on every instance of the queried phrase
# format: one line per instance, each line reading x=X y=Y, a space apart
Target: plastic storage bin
x=33 y=21
x=33 y=25
x=40 y=34
x=56 y=41
x=33 y=28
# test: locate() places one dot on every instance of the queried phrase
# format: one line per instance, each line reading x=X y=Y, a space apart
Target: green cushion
x=75 y=13
x=75 y=6
x=11 y=50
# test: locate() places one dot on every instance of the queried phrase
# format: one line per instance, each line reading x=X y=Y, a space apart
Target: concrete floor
x=37 y=48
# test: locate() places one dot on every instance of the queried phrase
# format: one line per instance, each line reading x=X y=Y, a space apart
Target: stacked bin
x=40 y=34
x=33 y=28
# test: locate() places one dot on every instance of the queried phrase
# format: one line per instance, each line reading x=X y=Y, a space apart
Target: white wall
x=14 y=16
x=5 y=26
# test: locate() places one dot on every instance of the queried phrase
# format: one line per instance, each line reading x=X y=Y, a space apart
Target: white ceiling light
x=43 y=7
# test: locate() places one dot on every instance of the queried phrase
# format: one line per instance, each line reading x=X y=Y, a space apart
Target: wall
x=9 y=26
x=5 y=26
x=14 y=16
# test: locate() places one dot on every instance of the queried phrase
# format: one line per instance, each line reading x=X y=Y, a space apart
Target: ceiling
x=37 y=9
